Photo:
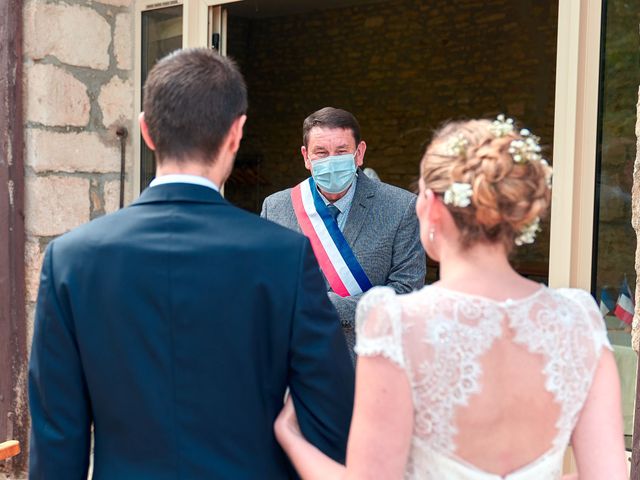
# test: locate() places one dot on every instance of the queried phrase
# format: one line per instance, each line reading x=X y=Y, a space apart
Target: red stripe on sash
x=321 y=255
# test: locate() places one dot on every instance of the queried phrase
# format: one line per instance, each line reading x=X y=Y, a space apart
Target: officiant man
x=174 y=326
x=363 y=232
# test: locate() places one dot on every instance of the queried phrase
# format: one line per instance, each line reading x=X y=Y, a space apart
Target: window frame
x=575 y=143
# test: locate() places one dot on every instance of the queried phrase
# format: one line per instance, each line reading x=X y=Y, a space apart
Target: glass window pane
x=614 y=278
x=161 y=35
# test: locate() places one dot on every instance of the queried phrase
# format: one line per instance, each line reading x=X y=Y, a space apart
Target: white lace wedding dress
x=441 y=338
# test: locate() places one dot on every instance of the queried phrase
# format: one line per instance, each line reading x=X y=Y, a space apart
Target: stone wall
x=402 y=67
x=635 y=221
x=78 y=92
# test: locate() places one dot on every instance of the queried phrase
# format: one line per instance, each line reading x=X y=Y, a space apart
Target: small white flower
x=527 y=149
x=528 y=233
x=458 y=195
x=457 y=145
x=501 y=126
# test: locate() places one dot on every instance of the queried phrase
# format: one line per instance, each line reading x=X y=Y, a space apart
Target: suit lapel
x=362 y=203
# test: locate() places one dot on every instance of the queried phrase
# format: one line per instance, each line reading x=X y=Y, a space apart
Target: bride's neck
x=480 y=261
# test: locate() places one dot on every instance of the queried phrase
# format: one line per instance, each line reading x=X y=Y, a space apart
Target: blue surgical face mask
x=334 y=174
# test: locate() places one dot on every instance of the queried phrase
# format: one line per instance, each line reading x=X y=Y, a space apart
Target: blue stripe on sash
x=341 y=243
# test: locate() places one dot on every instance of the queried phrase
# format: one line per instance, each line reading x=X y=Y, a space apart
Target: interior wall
x=402 y=67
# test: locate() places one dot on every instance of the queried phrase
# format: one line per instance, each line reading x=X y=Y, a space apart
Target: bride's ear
x=433 y=207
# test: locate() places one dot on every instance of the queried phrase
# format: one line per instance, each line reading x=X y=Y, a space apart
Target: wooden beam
x=13 y=336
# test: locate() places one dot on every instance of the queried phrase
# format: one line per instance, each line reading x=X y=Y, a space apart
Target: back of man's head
x=191 y=98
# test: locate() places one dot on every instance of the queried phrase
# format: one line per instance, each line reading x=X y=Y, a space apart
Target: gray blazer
x=382 y=230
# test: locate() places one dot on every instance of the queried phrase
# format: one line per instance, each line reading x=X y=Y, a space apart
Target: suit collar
x=179 y=192
x=362 y=201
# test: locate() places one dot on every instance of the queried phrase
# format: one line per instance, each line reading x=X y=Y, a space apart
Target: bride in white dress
x=483 y=375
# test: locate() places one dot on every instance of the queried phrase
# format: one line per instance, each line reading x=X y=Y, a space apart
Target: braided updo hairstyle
x=507 y=197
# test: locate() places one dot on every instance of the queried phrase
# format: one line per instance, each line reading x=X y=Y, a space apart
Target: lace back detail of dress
x=450 y=372
x=439 y=337
x=567 y=329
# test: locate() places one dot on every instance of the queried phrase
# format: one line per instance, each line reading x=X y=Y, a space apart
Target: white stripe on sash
x=327 y=242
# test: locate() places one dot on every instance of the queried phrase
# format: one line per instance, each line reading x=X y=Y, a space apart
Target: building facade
x=70 y=149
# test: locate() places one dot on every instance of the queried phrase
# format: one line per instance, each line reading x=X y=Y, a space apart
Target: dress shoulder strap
x=379 y=325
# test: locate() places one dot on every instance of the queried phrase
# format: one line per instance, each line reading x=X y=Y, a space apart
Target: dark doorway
x=401 y=66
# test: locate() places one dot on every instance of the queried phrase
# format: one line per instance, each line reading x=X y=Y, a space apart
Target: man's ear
x=361 y=148
x=305 y=156
x=144 y=131
x=235 y=133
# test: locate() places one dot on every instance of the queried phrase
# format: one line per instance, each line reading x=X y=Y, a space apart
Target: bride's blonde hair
x=507 y=197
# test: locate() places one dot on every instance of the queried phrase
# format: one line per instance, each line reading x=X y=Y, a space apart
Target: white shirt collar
x=183 y=178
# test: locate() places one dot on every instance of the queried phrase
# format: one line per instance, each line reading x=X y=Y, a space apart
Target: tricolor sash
x=337 y=261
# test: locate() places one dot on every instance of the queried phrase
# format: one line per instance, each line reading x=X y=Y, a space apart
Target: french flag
x=606 y=302
x=624 y=306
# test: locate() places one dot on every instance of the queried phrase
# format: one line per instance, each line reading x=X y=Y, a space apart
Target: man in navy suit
x=175 y=326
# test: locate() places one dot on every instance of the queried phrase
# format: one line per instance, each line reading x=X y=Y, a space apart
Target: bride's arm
x=598 y=439
x=380 y=432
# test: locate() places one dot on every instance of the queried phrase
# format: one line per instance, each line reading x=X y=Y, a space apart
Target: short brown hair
x=329 y=117
x=506 y=197
x=191 y=98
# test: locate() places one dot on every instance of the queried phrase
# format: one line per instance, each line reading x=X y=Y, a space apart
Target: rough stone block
x=122 y=41
x=55 y=204
x=116 y=102
x=74 y=34
x=70 y=152
x=116 y=3
x=33 y=256
x=111 y=196
x=97 y=202
x=55 y=97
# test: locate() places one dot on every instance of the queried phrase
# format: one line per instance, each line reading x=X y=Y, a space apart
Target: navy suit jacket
x=175 y=326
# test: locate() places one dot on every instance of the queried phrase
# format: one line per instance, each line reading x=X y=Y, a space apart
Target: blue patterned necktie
x=334 y=211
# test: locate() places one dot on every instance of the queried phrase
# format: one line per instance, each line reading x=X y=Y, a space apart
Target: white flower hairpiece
x=458 y=195
x=457 y=145
x=526 y=149
x=501 y=126
x=528 y=232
